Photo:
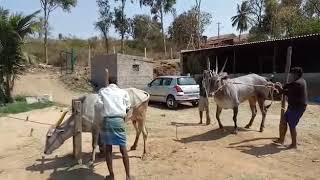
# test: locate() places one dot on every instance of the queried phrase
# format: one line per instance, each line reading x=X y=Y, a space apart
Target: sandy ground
x=178 y=148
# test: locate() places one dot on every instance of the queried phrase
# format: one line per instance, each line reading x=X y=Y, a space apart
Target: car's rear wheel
x=171 y=102
x=195 y=103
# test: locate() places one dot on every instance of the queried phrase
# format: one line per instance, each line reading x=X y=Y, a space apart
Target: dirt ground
x=178 y=148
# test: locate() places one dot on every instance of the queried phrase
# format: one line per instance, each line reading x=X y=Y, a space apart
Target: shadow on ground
x=77 y=173
x=185 y=124
x=257 y=150
x=164 y=107
x=67 y=162
x=211 y=135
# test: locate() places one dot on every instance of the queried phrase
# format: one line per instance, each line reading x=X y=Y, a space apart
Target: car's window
x=186 y=81
x=156 y=82
x=167 y=81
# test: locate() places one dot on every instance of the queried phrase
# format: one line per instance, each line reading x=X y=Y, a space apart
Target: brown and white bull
x=91 y=120
x=230 y=93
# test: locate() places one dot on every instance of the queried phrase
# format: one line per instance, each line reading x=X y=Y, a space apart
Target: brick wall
x=134 y=71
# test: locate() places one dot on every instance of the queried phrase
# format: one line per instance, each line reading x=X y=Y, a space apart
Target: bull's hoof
x=247 y=126
x=133 y=148
x=91 y=164
x=261 y=130
x=235 y=131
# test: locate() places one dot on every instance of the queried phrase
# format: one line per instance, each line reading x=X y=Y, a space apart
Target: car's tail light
x=178 y=89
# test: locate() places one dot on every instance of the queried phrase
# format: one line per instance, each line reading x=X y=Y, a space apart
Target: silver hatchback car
x=174 y=90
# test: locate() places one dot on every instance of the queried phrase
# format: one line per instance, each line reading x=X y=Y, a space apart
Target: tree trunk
x=122 y=29
x=239 y=37
x=163 y=33
x=107 y=44
x=46 y=19
x=7 y=87
x=199 y=23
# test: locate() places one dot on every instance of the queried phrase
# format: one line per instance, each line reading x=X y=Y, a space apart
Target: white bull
x=91 y=121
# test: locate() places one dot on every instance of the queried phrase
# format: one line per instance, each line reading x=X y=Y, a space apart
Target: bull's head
x=213 y=79
x=58 y=133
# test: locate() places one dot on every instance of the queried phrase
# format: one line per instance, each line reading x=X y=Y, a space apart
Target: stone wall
x=134 y=71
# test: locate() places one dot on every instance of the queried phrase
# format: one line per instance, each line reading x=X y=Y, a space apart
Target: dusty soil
x=178 y=148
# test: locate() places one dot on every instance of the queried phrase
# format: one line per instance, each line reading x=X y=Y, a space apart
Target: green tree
x=49 y=6
x=186 y=25
x=312 y=8
x=241 y=20
x=121 y=22
x=159 y=8
x=13 y=29
x=105 y=20
x=145 y=30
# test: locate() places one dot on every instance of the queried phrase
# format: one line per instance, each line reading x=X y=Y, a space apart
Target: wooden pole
x=77 y=146
x=145 y=52
x=234 y=62
x=171 y=53
x=275 y=52
x=107 y=77
x=287 y=70
x=89 y=56
x=208 y=63
x=114 y=50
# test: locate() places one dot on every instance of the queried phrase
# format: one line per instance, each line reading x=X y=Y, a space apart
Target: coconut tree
x=13 y=29
x=242 y=19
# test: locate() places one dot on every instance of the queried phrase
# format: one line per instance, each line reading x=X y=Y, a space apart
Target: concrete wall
x=128 y=77
x=98 y=66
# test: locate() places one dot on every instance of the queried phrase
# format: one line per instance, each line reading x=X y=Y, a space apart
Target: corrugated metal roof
x=255 y=42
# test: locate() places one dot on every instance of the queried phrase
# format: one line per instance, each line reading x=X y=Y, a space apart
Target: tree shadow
x=210 y=135
x=259 y=151
x=79 y=173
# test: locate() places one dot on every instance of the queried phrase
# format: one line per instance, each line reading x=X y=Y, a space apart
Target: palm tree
x=13 y=29
x=242 y=19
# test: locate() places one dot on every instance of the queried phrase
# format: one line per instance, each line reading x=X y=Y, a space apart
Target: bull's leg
x=138 y=132
x=253 y=107
x=218 y=112
x=235 y=114
x=263 y=111
x=95 y=137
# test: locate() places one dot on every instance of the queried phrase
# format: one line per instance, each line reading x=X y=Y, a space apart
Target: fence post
x=77 y=134
x=107 y=77
x=288 y=66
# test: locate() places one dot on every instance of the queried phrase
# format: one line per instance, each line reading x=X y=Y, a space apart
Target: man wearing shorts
x=296 y=92
x=203 y=103
x=115 y=103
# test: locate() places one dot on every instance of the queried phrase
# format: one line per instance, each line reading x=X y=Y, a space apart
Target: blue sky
x=79 y=22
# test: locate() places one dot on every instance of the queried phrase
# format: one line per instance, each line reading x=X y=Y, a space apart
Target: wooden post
x=275 y=52
x=89 y=56
x=114 y=50
x=208 y=63
x=145 y=52
x=107 y=77
x=171 y=53
x=77 y=134
x=288 y=66
x=234 y=62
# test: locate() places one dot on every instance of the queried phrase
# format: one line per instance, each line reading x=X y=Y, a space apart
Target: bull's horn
x=224 y=66
x=61 y=118
x=217 y=65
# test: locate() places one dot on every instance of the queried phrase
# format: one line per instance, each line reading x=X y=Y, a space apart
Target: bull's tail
x=272 y=88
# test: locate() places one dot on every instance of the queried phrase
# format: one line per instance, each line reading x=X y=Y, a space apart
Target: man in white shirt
x=115 y=104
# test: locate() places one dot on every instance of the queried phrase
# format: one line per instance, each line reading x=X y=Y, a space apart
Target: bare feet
x=278 y=142
x=292 y=146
